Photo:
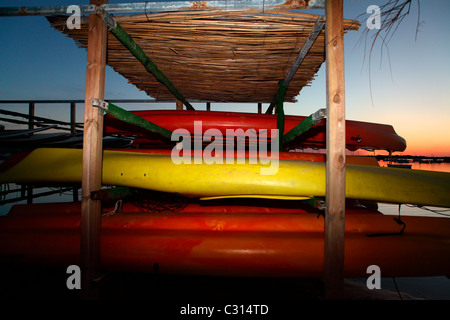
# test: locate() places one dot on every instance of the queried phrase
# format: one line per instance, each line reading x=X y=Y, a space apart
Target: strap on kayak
x=131 y=118
x=396 y=219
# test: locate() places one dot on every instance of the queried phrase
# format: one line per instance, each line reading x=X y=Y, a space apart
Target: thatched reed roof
x=234 y=56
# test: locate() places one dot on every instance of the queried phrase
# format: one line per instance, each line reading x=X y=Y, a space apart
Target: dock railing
x=31 y=121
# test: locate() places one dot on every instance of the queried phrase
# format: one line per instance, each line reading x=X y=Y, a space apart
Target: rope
x=440 y=212
x=117 y=207
x=396 y=287
x=398 y=220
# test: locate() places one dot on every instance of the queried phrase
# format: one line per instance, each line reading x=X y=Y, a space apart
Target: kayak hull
x=256 y=245
x=359 y=135
x=283 y=178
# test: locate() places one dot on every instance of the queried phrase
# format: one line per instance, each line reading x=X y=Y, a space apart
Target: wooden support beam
x=31 y=116
x=131 y=118
x=92 y=155
x=208 y=106
x=179 y=105
x=312 y=37
x=29 y=194
x=335 y=165
x=73 y=118
x=304 y=126
x=273 y=103
x=259 y=107
x=315 y=31
x=75 y=194
x=280 y=113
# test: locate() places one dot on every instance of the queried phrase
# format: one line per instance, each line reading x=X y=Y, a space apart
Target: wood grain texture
x=335 y=167
x=92 y=153
x=179 y=105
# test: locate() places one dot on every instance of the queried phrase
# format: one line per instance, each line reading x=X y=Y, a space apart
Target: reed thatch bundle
x=234 y=56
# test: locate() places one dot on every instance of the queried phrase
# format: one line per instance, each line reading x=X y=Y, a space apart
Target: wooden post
x=280 y=113
x=73 y=119
x=31 y=116
x=92 y=154
x=208 y=106
x=29 y=194
x=259 y=107
x=179 y=105
x=335 y=166
x=75 y=194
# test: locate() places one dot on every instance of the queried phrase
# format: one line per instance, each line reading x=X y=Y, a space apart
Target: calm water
x=442 y=167
x=436 y=288
x=414 y=211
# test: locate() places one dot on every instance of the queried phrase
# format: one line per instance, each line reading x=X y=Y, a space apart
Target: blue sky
x=410 y=82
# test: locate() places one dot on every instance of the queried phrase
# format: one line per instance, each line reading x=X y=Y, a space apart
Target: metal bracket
x=101 y=104
x=107 y=18
x=99 y=194
x=357 y=138
x=319 y=115
x=320 y=204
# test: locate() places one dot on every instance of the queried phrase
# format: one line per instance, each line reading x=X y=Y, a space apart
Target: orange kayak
x=230 y=244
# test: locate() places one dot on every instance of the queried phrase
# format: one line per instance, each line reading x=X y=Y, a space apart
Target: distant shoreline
x=411 y=159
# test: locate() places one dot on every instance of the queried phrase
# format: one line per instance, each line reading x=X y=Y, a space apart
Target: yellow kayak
x=292 y=179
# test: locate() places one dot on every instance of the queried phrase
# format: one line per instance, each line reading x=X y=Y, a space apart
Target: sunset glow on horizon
x=404 y=83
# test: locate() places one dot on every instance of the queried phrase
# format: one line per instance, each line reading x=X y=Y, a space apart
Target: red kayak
x=227 y=244
x=359 y=135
